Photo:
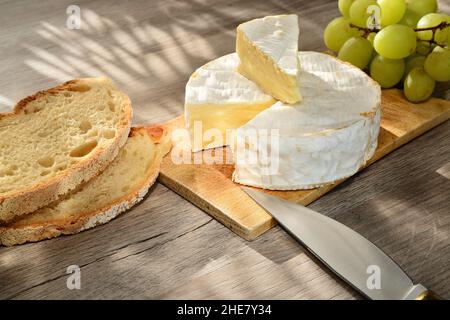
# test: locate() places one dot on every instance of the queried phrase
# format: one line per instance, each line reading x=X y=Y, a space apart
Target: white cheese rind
x=218 y=82
x=277 y=37
x=326 y=137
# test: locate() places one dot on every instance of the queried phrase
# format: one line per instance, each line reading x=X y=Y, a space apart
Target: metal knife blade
x=351 y=256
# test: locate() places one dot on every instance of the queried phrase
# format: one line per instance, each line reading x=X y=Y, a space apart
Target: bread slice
x=56 y=140
x=123 y=184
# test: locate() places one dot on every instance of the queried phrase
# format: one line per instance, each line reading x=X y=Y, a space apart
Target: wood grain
x=166 y=247
x=210 y=187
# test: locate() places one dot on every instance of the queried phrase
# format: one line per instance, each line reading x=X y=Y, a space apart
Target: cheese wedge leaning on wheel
x=326 y=137
x=219 y=99
x=267 y=50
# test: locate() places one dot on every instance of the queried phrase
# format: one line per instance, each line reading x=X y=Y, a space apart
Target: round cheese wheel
x=327 y=136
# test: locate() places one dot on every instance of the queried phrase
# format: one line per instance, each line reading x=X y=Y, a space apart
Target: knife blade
x=347 y=253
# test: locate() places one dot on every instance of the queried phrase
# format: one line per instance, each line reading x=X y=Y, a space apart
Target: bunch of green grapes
x=398 y=42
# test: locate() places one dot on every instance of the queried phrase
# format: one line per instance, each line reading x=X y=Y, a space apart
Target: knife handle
x=429 y=295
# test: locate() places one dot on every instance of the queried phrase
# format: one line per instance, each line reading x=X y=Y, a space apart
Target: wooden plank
x=210 y=188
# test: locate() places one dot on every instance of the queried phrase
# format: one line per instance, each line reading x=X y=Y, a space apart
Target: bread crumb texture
x=55 y=130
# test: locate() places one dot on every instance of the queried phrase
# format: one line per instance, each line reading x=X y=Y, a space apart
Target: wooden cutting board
x=210 y=187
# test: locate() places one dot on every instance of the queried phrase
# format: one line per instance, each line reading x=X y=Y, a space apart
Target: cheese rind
x=326 y=137
x=267 y=49
x=218 y=99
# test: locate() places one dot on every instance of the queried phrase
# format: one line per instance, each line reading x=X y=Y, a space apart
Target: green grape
x=337 y=32
x=418 y=85
x=437 y=64
x=424 y=48
x=410 y=18
x=422 y=7
x=413 y=61
x=359 y=14
x=395 y=41
x=387 y=72
x=344 y=7
x=392 y=11
x=433 y=20
x=358 y=51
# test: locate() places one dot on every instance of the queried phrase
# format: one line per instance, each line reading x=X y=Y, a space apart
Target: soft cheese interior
x=218 y=99
x=267 y=50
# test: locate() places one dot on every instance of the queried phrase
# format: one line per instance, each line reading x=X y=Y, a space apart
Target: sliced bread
x=123 y=184
x=57 y=139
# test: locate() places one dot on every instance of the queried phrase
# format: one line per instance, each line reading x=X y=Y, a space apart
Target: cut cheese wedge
x=324 y=138
x=218 y=99
x=267 y=50
x=123 y=184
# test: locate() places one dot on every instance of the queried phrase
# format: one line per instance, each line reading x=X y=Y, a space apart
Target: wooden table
x=166 y=247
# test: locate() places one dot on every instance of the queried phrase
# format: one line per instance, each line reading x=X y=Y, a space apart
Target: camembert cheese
x=326 y=137
x=267 y=50
x=218 y=99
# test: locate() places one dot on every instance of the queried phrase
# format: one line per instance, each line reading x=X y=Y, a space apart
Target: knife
x=348 y=254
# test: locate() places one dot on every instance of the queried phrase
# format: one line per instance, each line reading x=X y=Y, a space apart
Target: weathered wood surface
x=166 y=247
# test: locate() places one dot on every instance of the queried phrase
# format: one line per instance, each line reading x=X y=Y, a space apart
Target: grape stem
x=368 y=31
x=440 y=26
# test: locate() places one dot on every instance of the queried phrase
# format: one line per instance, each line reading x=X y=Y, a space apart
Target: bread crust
x=14 y=204
x=10 y=236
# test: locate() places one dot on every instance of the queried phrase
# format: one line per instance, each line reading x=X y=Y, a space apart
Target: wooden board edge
x=195 y=199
